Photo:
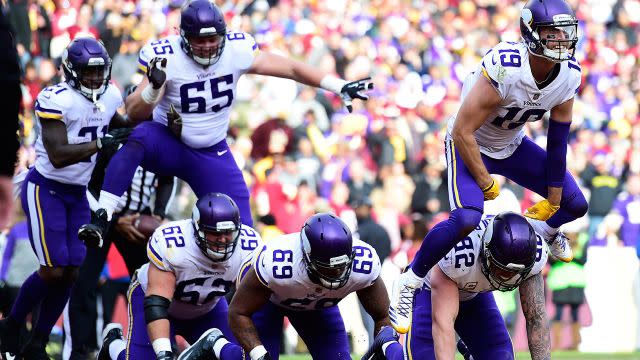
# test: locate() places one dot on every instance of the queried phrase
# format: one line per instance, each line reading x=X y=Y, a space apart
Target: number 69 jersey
x=280 y=267
x=85 y=122
x=507 y=68
x=200 y=282
x=201 y=95
x=462 y=264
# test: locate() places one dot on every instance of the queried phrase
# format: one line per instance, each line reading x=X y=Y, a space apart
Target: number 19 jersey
x=200 y=281
x=201 y=95
x=507 y=68
x=280 y=267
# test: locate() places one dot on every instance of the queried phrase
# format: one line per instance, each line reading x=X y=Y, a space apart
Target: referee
x=80 y=317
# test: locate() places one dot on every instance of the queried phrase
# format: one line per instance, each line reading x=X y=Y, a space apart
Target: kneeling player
x=502 y=253
x=193 y=264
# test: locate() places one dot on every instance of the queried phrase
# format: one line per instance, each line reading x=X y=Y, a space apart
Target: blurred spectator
x=627 y=205
x=268 y=227
x=359 y=184
x=430 y=195
x=604 y=186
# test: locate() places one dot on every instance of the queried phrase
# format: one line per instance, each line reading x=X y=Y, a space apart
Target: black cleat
x=35 y=349
x=203 y=348
x=93 y=234
x=9 y=338
x=110 y=333
x=385 y=335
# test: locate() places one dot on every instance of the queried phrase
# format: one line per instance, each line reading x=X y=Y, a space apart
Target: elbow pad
x=155 y=308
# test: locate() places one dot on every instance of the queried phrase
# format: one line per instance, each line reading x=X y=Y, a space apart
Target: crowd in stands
x=301 y=152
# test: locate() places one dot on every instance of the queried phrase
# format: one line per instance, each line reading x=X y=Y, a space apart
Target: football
x=146 y=224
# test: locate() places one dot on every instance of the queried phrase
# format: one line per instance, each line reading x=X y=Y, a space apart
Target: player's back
x=84 y=121
x=200 y=281
x=463 y=263
x=201 y=95
x=507 y=68
x=280 y=266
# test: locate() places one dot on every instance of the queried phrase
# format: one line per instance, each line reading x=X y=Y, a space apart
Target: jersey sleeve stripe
x=256 y=266
x=255 y=46
x=47 y=115
x=142 y=65
x=154 y=256
x=43 y=109
x=243 y=270
x=486 y=74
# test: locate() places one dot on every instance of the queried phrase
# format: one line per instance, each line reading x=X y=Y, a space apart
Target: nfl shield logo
x=536 y=96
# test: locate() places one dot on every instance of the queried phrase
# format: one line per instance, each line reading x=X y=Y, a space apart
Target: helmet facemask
x=555 y=40
x=216 y=242
x=206 y=47
x=91 y=79
x=332 y=275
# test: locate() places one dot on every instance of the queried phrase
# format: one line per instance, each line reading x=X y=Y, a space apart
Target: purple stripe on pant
x=479 y=324
x=55 y=211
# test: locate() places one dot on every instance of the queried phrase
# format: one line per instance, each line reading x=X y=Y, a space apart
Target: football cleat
x=93 y=234
x=385 y=335
x=9 y=338
x=203 y=348
x=35 y=349
x=110 y=333
x=558 y=242
x=402 y=296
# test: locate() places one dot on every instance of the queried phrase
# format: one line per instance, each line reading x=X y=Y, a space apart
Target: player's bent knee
x=465 y=220
x=51 y=274
x=71 y=274
x=576 y=204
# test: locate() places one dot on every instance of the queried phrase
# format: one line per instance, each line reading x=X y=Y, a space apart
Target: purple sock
x=122 y=167
x=52 y=306
x=443 y=237
x=33 y=290
x=394 y=352
x=231 y=351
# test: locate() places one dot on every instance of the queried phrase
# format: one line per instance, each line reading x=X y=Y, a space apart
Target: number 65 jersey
x=463 y=265
x=280 y=266
x=200 y=282
x=507 y=68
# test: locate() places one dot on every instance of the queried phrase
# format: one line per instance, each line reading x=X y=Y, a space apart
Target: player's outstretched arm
x=375 y=300
x=481 y=101
x=56 y=142
x=250 y=296
x=445 y=302
x=270 y=64
x=533 y=306
x=141 y=102
x=160 y=288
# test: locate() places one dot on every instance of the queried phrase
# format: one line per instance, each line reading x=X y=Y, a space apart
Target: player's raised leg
x=467 y=201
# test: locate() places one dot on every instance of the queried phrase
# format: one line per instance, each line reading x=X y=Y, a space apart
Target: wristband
x=150 y=95
x=332 y=83
x=257 y=352
x=161 y=344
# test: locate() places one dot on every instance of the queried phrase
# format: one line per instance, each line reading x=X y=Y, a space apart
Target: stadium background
x=301 y=152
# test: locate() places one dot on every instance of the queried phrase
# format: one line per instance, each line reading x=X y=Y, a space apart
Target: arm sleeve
x=557 y=139
x=260 y=266
x=245 y=49
x=157 y=251
x=146 y=54
x=49 y=105
x=492 y=69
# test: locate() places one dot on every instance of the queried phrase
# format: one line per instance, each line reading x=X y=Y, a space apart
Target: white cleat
x=401 y=302
x=558 y=243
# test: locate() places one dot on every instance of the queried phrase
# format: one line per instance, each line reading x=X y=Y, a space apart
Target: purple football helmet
x=508 y=252
x=203 y=31
x=326 y=246
x=87 y=67
x=216 y=220
x=550 y=29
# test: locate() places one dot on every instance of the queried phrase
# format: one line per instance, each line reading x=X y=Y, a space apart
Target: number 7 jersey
x=507 y=68
x=280 y=267
x=200 y=282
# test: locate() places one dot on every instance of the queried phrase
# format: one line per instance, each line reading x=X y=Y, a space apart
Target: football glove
x=113 y=139
x=155 y=72
x=174 y=121
x=164 y=355
x=354 y=90
x=543 y=210
x=492 y=191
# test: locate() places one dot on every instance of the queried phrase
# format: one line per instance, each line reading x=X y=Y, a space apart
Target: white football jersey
x=200 y=282
x=462 y=263
x=507 y=67
x=201 y=95
x=280 y=267
x=85 y=122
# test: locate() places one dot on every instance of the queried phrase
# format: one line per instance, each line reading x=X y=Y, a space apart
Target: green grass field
x=565 y=355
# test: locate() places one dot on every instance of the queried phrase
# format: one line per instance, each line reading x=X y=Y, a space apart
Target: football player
x=303 y=276
x=503 y=253
x=515 y=83
x=188 y=92
x=192 y=265
x=74 y=117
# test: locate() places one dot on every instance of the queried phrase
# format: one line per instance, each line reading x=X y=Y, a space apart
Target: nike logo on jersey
x=220 y=153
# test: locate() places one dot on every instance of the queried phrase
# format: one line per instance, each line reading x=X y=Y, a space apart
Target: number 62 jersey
x=200 y=282
x=280 y=266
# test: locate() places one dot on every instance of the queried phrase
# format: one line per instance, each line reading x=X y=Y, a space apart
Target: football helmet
x=327 y=252
x=508 y=251
x=550 y=29
x=87 y=67
x=203 y=31
x=216 y=220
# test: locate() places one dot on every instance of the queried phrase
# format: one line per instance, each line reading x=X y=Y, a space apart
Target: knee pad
x=575 y=204
x=464 y=220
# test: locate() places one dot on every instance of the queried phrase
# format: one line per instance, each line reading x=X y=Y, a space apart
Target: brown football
x=146 y=224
